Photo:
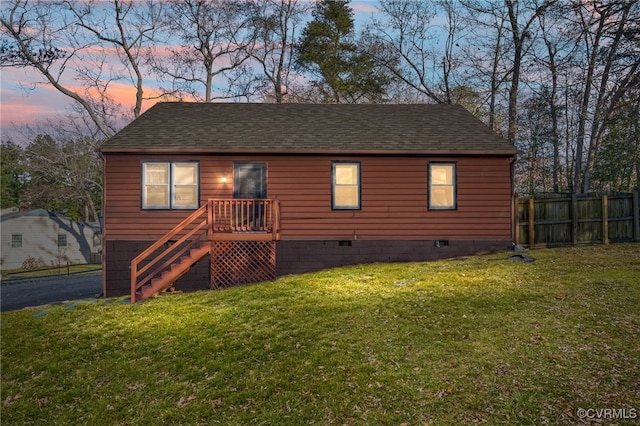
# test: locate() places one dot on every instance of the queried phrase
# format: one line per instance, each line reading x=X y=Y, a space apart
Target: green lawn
x=13 y=276
x=462 y=341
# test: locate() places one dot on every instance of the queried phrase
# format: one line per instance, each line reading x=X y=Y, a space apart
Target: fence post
x=531 y=218
x=516 y=225
x=605 y=219
x=636 y=217
x=574 y=219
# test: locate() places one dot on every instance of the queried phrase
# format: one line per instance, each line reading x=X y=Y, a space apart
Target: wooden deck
x=160 y=265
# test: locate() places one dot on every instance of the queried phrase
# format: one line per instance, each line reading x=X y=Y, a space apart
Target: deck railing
x=244 y=215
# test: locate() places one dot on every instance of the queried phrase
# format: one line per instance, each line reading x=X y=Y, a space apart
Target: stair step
x=175 y=271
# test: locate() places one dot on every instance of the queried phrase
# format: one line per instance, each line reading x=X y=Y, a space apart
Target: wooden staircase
x=175 y=271
x=159 y=266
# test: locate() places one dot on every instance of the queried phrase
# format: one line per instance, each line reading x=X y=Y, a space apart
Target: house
x=42 y=238
x=262 y=190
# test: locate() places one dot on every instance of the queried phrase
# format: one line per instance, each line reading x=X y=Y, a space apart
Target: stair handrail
x=135 y=273
x=173 y=258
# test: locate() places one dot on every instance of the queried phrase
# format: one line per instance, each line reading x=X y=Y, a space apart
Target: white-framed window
x=442 y=192
x=170 y=185
x=62 y=240
x=16 y=240
x=345 y=188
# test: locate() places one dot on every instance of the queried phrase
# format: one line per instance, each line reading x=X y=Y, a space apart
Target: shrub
x=31 y=263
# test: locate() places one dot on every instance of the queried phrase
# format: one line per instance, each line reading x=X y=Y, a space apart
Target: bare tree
x=486 y=52
x=129 y=27
x=450 y=56
x=522 y=23
x=617 y=165
x=554 y=57
x=275 y=23
x=511 y=22
x=66 y=43
x=41 y=39
x=552 y=65
x=609 y=36
x=63 y=169
x=402 y=41
x=215 y=37
x=587 y=56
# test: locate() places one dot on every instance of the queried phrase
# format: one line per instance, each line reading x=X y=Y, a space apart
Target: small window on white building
x=62 y=240
x=16 y=240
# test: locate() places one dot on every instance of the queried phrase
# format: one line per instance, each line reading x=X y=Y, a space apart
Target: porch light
x=223 y=179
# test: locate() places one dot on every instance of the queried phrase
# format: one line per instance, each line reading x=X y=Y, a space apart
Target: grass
x=462 y=341
x=16 y=275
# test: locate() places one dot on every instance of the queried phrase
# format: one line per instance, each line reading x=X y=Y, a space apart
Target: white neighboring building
x=43 y=238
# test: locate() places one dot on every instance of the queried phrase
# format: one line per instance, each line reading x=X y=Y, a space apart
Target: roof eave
x=283 y=151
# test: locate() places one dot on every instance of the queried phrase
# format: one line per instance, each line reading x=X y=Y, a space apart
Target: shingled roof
x=181 y=127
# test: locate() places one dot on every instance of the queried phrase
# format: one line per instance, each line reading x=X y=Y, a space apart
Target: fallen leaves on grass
x=11 y=399
x=185 y=400
x=479 y=340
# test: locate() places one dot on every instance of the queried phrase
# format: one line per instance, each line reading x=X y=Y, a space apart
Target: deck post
x=133 y=277
x=276 y=219
x=210 y=219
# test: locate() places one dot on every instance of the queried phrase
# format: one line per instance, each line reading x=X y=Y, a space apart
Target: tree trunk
x=584 y=108
x=602 y=113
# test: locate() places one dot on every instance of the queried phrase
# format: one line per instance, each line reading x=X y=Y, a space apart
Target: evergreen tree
x=13 y=174
x=328 y=50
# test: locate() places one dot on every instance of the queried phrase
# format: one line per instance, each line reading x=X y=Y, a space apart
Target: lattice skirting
x=242 y=262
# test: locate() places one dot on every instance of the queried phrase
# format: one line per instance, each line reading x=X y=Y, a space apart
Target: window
x=62 y=240
x=442 y=186
x=345 y=194
x=170 y=185
x=16 y=240
x=185 y=185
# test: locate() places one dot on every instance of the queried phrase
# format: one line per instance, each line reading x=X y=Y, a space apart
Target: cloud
x=26 y=103
x=28 y=98
x=364 y=6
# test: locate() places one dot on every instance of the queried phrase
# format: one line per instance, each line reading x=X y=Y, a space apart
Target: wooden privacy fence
x=562 y=219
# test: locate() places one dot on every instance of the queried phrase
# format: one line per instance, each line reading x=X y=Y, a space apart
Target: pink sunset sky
x=25 y=97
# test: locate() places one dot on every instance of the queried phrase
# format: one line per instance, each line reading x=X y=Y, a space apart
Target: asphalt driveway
x=44 y=291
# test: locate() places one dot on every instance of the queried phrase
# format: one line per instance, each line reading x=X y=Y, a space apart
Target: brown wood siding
x=394 y=198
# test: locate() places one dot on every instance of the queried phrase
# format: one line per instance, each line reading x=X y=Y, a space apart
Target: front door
x=250 y=182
